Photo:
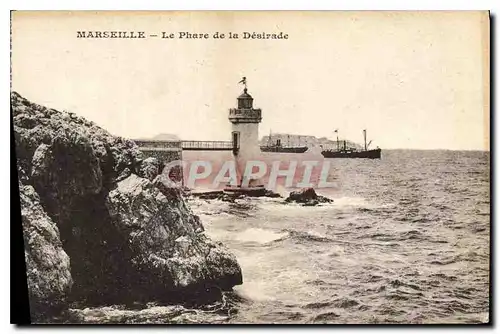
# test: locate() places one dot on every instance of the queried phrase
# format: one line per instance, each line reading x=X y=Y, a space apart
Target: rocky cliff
x=101 y=224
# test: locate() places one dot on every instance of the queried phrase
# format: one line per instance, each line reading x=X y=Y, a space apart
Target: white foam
x=254 y=291
x=357 y=202
x=351 y=201
x=259 y=235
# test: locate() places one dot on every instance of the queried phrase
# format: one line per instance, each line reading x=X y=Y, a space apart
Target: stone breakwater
x=102 y=225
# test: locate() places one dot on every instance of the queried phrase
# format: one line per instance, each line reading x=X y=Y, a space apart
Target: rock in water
x=307 y=197
x=91 y=196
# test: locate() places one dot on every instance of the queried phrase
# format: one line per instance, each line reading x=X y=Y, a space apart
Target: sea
x=406 y=240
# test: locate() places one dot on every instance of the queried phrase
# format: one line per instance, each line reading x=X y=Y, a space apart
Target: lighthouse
x=245 y=131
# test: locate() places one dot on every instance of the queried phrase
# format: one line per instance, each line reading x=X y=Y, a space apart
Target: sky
x=413 y=79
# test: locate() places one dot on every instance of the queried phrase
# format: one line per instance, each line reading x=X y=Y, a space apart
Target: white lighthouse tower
x=245 y=131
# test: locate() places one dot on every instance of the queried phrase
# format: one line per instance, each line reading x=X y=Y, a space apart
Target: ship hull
x=370 y=154
x=277 y=149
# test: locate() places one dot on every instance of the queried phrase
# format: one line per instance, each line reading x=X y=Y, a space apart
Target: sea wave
x=417 y=252
x=306 y=236
x=260 y=235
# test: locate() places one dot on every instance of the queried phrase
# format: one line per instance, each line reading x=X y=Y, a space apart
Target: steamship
x=277 y=147
x=349 y=152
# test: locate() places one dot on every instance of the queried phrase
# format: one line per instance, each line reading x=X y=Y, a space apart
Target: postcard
x=251 y=167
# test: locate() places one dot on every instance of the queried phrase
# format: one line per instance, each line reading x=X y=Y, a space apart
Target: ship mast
x=364 y=135
x=338 y=144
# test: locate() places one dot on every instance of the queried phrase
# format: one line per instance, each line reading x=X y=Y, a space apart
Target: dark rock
x=232 y=194
x=312 y=202
x=307 y=197
x=302 y=196
x=127 y=230
x=272 y=194
x=218 y=194
x=150 y=168
x=163 y=237
x=47 y=264
x=114 y=154
x=63 y=172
